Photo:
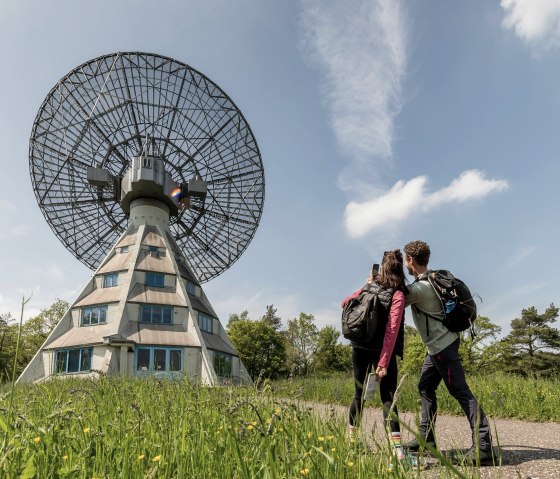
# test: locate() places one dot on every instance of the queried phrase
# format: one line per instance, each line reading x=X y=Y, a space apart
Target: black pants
x=365 y=362
x=447 y=365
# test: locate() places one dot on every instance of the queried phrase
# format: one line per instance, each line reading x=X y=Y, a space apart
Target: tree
x=473 y=347
x=534 y=342
x=301 y=342
x=36 y=329
x=8 y=333
x=414 y=351
x=329 y=354
x=271 y=318
x=259 y=346
x=244 y=316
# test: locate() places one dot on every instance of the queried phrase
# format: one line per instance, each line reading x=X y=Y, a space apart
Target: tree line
x=268 y=348
x=531 y=348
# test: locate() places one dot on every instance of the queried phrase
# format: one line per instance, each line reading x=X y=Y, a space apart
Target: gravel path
x=529 y=450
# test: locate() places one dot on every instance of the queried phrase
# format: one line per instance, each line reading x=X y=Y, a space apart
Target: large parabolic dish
x=103 y=113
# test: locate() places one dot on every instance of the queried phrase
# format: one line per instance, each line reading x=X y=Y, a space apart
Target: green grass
x=127 y=428
x=121 y=427
x=501 y=396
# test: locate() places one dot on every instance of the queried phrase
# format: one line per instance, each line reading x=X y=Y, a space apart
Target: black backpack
x=456 y=300
x=361 y=315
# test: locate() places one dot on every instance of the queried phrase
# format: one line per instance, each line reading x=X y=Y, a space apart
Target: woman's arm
x=392 y=329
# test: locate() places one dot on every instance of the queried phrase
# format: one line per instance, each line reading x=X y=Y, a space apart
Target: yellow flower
x=333 y=449
x=65 y=457
x=250 y=426
x=320 y=448
x=309 y=434
x=349 y=463
x=221 y=427
x=321 y=438
x=304 y=472
x=140 y=457
x=86 y=429
x=254 y=423
x=330 y=438
x=156 y=459
x=278 y=410
x=37 y=440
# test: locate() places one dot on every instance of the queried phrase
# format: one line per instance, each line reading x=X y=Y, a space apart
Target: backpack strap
x=428 y=315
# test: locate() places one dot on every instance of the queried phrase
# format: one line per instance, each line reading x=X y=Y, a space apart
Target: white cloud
x=406 y=198
x=537 y=22
x=360 y=45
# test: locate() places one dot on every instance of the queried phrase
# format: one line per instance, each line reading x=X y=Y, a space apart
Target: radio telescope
x=150 y=175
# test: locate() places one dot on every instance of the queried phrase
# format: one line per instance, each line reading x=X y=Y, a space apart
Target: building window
x=155 y=279
x=110 y=280
x=72 y=360
x=124 y=249
x=222 y=363
x=158 y=359
x=191 y=288
x=93 y=315
x=147 y=162
x=156 y=314
x=205 y=322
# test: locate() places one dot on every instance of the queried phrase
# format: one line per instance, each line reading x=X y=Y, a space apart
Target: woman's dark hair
x=391 y=274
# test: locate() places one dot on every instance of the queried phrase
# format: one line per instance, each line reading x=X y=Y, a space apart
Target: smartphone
x=374 y=270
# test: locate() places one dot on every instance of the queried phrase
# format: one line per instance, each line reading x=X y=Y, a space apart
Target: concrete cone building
x=143 y=312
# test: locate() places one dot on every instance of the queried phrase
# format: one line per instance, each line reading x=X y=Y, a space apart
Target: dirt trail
x=530 y=450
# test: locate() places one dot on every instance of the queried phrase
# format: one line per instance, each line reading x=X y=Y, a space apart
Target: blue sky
x=379 y=122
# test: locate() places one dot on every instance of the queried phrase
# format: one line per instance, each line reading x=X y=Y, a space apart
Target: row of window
x=152 y=279
x=148 y=360
x=93 y=315
x=149 y=313
x=156 y=280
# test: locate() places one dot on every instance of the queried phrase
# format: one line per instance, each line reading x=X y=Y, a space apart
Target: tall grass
x=501 y=396
x=148 y=428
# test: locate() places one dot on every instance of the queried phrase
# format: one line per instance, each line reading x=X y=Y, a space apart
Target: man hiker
x=442 y=361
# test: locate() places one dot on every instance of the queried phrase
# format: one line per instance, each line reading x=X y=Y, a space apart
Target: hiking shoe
x=476 y=456
x=414 y=445
x=408 y=463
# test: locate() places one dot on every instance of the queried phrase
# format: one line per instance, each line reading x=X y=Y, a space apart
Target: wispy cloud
x=360 y=45
x=517 y=258
x=411 y=197
x=537 y=22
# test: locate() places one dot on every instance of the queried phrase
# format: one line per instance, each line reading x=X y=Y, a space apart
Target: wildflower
x=320 y=448
x=321 y=438
x=65 y=457
x=221 y=427
x=156 y=459
x=254 y=423
x=349 y=463
x=304 y=472
x=140 y=457
x=250 y=426
x=333 y=449
x=278 y=410
x=86 y=429
x=309 y=435
x=37 y=440
x=330 y=438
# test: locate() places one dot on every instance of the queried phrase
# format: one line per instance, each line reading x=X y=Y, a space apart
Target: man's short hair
x=419 y=250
